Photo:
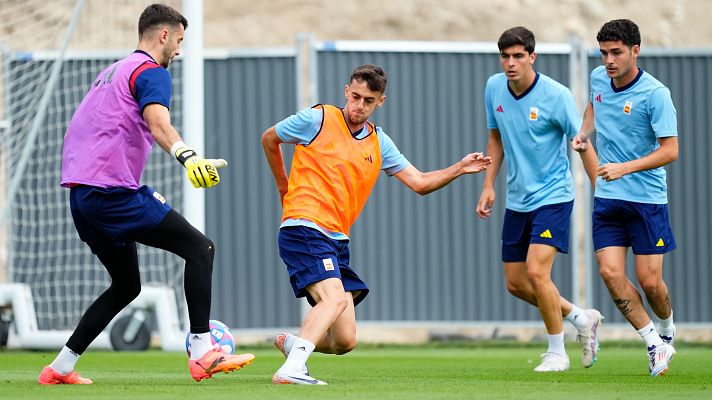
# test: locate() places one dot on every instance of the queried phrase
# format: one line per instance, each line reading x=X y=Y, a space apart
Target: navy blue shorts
x=312 y=257
x=547 y=224
x=642 y=226
x=113 y=216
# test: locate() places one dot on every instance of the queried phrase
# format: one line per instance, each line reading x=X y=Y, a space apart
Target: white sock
x=556 y=344
x=577 y=317
x=667 y=327
x=65 y=361
x=650 y=335
x=298 y=354
x=200 y=343
x=289 y=342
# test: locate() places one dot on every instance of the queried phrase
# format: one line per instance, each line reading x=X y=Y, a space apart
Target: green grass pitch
x=484 y=371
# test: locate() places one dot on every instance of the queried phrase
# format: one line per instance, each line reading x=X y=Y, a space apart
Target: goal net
x=38 y=243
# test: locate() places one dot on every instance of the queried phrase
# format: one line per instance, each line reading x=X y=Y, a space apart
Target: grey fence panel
x=424 y=258
x=430 y=258
x=686 y=270
x=243 y=97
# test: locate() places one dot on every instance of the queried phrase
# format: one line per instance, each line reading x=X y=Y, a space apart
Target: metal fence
x=246 y=94
x=424 y=258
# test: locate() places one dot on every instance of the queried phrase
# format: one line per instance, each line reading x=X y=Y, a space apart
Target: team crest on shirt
x=533 y=113
x=627 y=107
x=328 y=264
x=158 y=197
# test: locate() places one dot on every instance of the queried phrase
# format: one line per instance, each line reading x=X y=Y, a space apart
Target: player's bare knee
x=517 y=289
x=538 y=277
x=610 y=275
x=344 y=345
x=339 y=302
x=650 y=286
x=331 y=297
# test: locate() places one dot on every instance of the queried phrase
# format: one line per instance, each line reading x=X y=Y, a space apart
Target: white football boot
x=552 y=362
x=588 y=337
x=659 y=358
x=294 y=378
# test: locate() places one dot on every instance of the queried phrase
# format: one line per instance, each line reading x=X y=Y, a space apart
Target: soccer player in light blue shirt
x=530 y=118
x=636 y=126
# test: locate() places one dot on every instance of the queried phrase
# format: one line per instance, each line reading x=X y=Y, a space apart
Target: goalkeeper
x=105 y=151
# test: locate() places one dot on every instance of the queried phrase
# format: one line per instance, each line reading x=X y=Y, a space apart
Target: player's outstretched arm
x=201 y=172
x=427 y=182
x=273 y=152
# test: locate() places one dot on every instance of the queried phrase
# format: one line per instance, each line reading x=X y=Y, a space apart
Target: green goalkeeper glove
x=203 y=173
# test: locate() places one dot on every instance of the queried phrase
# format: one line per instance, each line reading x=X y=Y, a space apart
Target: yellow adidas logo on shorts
x=546 y=234
x=660 y=243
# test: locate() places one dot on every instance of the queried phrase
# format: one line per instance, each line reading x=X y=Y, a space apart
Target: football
x=219 y=334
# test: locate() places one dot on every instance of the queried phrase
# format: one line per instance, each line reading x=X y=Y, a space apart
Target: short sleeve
x=392 y=161
x=663 y=116
x=302 y=127
x=568 y=116
x=489 y=111
x=590 y=86
x=152 y=85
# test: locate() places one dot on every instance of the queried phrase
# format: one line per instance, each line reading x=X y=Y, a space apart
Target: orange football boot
x=216 y=360
x=49 y=376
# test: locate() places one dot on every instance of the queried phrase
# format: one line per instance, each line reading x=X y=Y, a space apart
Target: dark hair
x=518 y=35
x=159 y=14
x=624 y=30
x=374 y=76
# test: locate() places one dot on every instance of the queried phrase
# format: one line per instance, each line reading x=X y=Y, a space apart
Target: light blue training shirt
x=628 y=122
x=302 y=127
x=534 y=128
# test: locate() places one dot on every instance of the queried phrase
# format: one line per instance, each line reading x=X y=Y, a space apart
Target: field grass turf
x=392 y=372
